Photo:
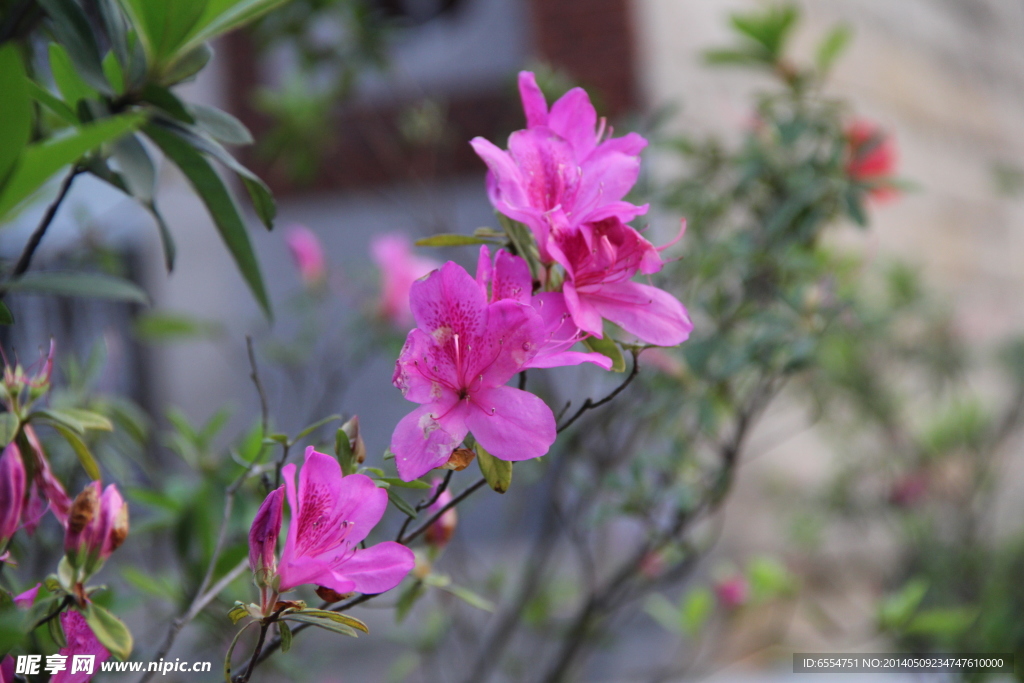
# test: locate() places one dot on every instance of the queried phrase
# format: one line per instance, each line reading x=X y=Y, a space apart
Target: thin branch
x=437 y=515
x=255 y=377
x=244 y=676
x=426 y=502
x=590 y=404
x=25 y=260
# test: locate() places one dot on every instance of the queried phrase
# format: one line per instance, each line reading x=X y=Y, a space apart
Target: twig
x=25 y=260
x=437 y=515
x=590 y=404
x=244 y=676
x=255 y=377
x=427 y=502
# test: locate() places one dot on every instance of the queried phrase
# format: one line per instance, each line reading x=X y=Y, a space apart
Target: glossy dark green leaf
x=188 y=65
x=219 y=203
x=161 y=97
x=117 y=30
x=400 y=503
x=137 y=168
x=81 y=450
x=112 y=70
x=53 y=103
x=72 y=87
x=77 y=284
x=15 y=108
x=166 y=238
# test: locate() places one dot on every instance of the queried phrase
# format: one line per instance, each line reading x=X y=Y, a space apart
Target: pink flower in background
x=732 y=592
x=308 y=254
x=508 y=277
x=455 y=363
x=330 y=516
x=600 y=260
x=909 y=490
x=97 y=526
x=399 y=268
x=25 y=600
x=81 y=641
x=558 y=172
x=12 y=493
x=440 y=532
x=7 y=667
x=872 y=157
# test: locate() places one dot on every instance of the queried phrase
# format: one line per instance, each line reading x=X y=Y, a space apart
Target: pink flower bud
x=97 y=526
x=12 y=492
x=732 y=592
x=440 y=532
x=308 y=254
x=872 y=157
x=263 y=536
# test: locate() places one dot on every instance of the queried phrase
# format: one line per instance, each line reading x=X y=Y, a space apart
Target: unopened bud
x=459 y=460
x=355 y=440
x=330 y=595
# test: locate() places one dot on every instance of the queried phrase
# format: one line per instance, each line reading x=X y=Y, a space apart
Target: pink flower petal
x=511 y=424
x=573 y=117
x=378 y=568
x=425 y=438
x=534 y=104
x=652 y=314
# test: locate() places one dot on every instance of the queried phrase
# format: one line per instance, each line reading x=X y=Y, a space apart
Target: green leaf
x=136 y=166
x=72 y=29
x=9 y=425
x=259 y=193
x=112 y=70
x=221 y=125
x=450 y=240
x=231 y=651
x=170 y=327
x=77 y=284
x=109 y=630
x=166 y=239
x=222 y=16
x=15 y=108
x=414 y=484
x=316 y=425
x=238 y=612
x=336 y=617
x=218 y=202
x=285 y=631
x=188 y=65
x=896 y=611
x=164 y=99
x=408 y=598
x=40 y=161
x=469 y=597
x=6 y=317
x=321 y=622
x=498 y=473
x=81 y=450
x=664 y=612
x=730 y=57
x=854 y=199
x=118 y=31
x=53 y=103
x=832 y=46
x=696 y=608
x=57 y=633
x=942 y=622
x=400 y=503
x=607 y=347
x=78 y=419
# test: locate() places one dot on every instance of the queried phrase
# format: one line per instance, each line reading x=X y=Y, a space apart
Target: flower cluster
x=566 y=182
x=331 y=515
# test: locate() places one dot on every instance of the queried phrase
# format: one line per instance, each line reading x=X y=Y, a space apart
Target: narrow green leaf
x=166 y=238
x=109 y=630
x=498 y=473
x=408 y=598
x=400 y=503
x=57 y=633
x=15 y=108
x=117 y=31
x=163 y=98
x=607 y=347
x=285 y=631
x=337 y=617
x=112 y=70
x=832 y=47
x=450 y=240
x=53 y=103
x=221 y=125
x=696 y=608
x=81 y=450
x=316 y=425
x=321 y=622
x=136 y=166
x=77 y=284
x=237 y=613
x=6 y=317
x=39 y=162
x=231 y=651
x=222 y=16
x=165 y=327
x=470 y=598
x=88 y=419
x=218 y=202
x=414 y=484
x=188 y=65
x=9 y=425
x=72 y=29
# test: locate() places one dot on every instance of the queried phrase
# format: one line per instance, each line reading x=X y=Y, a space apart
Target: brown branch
x=590 y=404
x=25 y=260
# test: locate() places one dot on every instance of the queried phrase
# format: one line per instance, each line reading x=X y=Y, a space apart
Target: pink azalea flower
x=97 y=526
x=45 y=490
x=12 y=492
x=440 y=532
x=455 y=363
x=81 y=641
x=263 y=533
x=308 y=254
x=558 y=172
x=399 y=268
x=600 y=260
x=872 y=157
x=330 y=516
x=508 y=277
